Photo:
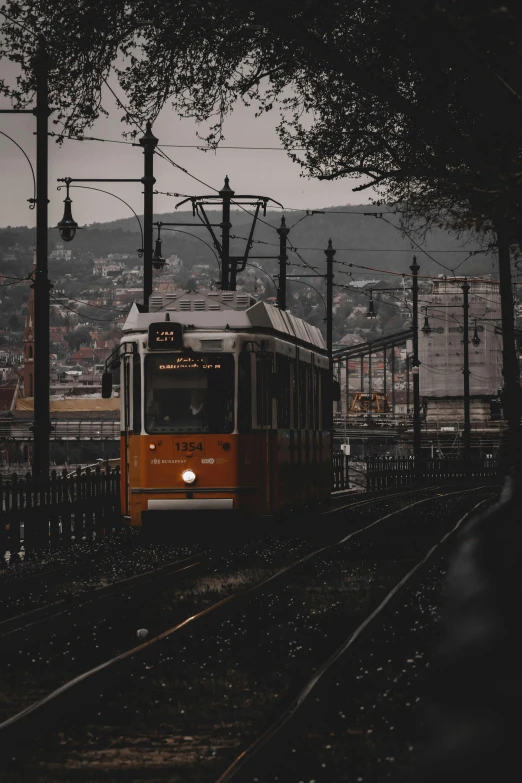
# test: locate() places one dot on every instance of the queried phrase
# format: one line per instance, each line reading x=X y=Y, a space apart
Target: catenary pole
x=467 y=424
x=415 y=362
x=283 y=232
x=228 y=270
x=511 y=393
x=149 y=143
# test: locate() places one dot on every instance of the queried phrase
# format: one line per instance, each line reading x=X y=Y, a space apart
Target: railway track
x=261 y=755
x=131 y=662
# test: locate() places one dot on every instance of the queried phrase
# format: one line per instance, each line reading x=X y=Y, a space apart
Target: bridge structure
x=368 y=352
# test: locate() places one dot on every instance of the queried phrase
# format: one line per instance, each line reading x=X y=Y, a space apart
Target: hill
x=359 y=239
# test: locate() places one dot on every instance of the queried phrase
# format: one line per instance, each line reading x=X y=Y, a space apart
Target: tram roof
x=255 y=316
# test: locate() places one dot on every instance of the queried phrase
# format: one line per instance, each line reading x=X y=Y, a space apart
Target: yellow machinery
x=370 y=403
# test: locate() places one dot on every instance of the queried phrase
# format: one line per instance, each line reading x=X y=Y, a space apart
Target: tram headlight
x=188 y=476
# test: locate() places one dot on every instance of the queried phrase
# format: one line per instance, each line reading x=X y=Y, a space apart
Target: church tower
x=29 y=344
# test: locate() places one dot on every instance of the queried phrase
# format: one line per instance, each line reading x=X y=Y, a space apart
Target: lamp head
x=426 y=329
x=67 y=225
x=371 y=308
x=158 y=262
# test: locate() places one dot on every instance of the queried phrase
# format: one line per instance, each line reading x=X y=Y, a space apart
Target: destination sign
x=190 y=363
x=165 y=335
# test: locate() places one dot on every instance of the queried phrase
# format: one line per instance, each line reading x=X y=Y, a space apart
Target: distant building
x=61 y=253
x=441 y=352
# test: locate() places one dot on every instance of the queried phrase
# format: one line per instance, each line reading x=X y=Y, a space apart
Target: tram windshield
x=189 y=393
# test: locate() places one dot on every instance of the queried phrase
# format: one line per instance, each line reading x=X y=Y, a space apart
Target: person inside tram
x=182 y=408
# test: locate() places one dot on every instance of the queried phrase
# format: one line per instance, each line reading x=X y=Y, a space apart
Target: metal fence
x=62 y=429
x=67 y=508
x=384 y=472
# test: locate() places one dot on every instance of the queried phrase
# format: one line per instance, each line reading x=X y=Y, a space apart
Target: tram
x=225 y=404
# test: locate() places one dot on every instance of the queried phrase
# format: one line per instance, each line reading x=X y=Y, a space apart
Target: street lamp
x=67 y=225
x=426 y=329
x=371 y=307
x=475 y=340
x=139 y=251
x=158 y=262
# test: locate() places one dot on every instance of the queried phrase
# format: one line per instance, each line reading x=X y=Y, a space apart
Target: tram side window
x=295 y=394
x=326 y=400
x=136 y=394
x=264 y=398
x=244 y=397
x=283 y=402
x=311 y=398
x=303 y=383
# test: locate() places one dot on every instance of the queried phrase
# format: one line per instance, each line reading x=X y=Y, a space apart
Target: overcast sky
x=260 y=172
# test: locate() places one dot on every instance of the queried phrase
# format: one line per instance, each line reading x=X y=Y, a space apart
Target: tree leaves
x=421 y=99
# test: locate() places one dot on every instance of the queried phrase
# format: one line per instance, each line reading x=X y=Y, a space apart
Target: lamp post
x=68 y=226
x=108 y=192
x=415 y=361
x=41 y=426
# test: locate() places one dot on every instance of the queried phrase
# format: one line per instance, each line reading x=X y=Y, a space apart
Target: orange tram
x=225 y=405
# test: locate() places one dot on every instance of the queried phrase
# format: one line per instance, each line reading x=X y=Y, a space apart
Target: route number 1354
x=188 y=445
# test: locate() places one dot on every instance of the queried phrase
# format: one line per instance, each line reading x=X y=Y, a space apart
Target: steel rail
x=246 y=756
x=41 y=614
x=17 y=722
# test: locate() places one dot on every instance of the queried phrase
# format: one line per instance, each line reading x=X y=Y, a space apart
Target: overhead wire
x=158 y=148
x=88 y=318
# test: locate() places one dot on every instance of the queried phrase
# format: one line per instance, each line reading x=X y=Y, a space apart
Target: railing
x=345 y=475
x=84 y=429
x=64 y=509
x=384 y=472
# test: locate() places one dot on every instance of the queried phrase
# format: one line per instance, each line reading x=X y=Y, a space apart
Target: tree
x=14 y=323
x=77 y=338
x=422 y=99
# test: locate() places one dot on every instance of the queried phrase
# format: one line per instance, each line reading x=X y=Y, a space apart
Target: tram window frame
x=136 y=394
x=283 y=401
x=244 y=393
x=310 y=397
x=316 y=408
x=295 y=394
x=303 y=397
x=326 y=401
x=263 y=390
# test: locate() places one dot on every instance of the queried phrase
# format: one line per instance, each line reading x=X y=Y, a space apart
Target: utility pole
x=149 y=142
x=407 y=384
x=347 y=385
x=41 y=422
x=228 y=272
x=370 y=380
x=415 y=363
x=283 y=232
x=511 y=393
x=384 y=384
x=393 y=377
x=467 y=424
x=329 y=253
